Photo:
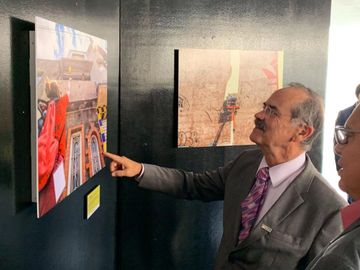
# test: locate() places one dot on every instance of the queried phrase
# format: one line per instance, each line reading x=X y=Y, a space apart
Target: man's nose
x=260 y=114
x=338 y=148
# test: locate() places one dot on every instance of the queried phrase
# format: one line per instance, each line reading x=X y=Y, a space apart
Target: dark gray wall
x=159 y=232
x=62 y=239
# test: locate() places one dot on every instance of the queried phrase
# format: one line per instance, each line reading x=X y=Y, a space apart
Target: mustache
x=260 y=124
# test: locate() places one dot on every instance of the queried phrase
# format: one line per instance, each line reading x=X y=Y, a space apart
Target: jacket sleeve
x=331 y=228
x=207 y=186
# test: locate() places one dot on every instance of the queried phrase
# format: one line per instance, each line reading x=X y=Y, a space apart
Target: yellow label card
x=92 y=201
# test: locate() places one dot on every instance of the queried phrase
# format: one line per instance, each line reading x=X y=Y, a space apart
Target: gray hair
x=310 y=112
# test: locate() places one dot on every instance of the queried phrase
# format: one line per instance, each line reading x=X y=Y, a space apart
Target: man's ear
x=305 y=132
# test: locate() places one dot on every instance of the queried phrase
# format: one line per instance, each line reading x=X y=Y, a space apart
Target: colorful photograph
x=220 y=91
x=71 y=110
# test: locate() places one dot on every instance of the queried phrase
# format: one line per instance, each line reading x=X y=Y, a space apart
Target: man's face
x=350 y=156
x=273 y=125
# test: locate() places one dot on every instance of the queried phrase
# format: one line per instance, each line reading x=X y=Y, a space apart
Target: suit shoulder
x=322 y=191
x=345 y=249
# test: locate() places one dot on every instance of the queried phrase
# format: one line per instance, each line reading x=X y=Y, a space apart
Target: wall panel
x=159 y=232
x=62 y=239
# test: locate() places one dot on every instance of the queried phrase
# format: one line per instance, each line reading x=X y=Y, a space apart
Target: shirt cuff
x=138 y=178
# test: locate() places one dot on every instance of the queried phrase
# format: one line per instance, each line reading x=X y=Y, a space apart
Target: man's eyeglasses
x=269 y=111
x=272 y=111
x=342 y=134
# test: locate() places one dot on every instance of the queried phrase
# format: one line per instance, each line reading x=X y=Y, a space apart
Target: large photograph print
x=71 y=107
x=220 y=91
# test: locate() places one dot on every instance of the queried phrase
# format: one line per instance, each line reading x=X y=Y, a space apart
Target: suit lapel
x=287 y=203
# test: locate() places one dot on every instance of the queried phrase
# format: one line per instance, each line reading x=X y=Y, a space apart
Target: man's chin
x=255 y=135
x=342 y=186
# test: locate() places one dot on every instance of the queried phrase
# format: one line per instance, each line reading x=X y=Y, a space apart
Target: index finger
x=113 y=157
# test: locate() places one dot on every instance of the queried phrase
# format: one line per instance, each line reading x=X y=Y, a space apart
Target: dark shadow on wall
x=177 y=100
x=148 y=219
x=20 y=81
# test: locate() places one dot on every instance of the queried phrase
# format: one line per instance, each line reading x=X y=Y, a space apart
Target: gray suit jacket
x=343 y=253
x=303 y=220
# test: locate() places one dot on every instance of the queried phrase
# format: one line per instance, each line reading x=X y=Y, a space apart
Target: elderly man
x=343 y=253
x=343 y=115
x=278 y=211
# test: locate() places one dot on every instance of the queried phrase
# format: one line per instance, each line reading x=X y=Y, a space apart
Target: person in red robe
x=51 y=145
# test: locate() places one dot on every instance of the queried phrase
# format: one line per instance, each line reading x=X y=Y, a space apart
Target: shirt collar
x=350 y=213
x=284 y=171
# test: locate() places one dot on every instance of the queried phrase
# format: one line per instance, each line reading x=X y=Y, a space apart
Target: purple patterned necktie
x=251 y=206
